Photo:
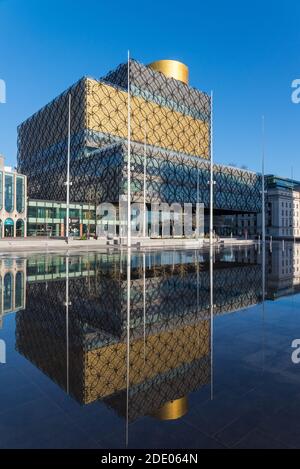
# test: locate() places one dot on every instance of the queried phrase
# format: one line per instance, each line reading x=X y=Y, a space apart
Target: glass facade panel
x=9 y=228
x=32 y=212
x=20 y=194
x=19 y=294
x=89 y=214
x=20 y=228
x=74 y=212
x=63 y=213
x=50 y=212
x=9 y=192
x=41 y=212
x=8 y=284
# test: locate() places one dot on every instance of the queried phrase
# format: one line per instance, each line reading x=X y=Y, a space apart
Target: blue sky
x=248 y=53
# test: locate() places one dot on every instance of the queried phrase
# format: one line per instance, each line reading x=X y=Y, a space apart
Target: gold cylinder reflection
x=173 y=410
x=172 y=69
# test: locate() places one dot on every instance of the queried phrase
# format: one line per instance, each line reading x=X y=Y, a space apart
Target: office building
x=170 y=146
x=13 y=203
x=282 y=207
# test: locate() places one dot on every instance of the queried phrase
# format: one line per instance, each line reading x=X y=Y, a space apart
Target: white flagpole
x=144 y=303
x=263 y=180
x=211 y=250
x=211 y=182
x=128 y=345
x=198 y=201
x=128 y=158
x=68 y=171
x=263 y=215
x=145 y=171
x=263 y=244
x=67 y=323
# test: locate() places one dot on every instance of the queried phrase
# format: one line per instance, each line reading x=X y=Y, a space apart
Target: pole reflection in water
x=263 y=276
x=162 y=304
x=128 y=343
x=211 y=301
x=144 y=303
x=67 y=304
x=263 y=236
x=198 y=279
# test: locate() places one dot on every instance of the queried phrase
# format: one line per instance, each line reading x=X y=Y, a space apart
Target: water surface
x=106 y=350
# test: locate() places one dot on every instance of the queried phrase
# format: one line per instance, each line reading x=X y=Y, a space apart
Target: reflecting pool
x=169 y=349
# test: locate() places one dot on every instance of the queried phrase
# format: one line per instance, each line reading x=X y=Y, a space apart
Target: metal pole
x=145 y=170
x=292 y=205
x=263 y=181
x=197 y=205
x=211 y=303
x=144 y=303
x=263 y=308
x=128 y=158
x=67 y=322
x=68 y=171
x=211 y=253
x=128 y=344
x=263 y=202
x=263 y=244
x=211 y=182
x=198 y=277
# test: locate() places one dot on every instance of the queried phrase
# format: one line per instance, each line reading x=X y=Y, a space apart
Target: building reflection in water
x=283 y=264
x=74 y=327
x=12 y=286
x=136 y=333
